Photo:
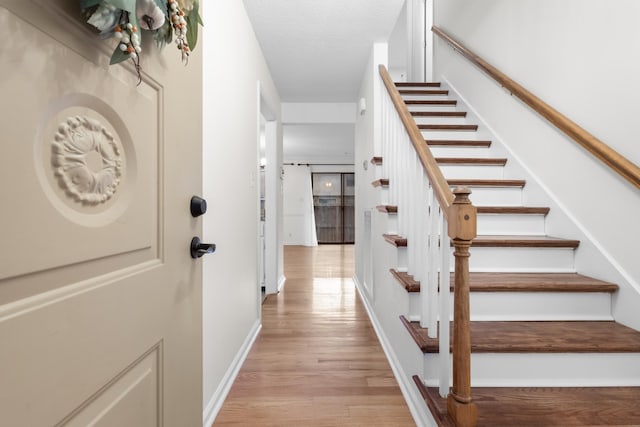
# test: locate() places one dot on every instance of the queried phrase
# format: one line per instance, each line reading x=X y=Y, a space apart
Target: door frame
x=273 y=247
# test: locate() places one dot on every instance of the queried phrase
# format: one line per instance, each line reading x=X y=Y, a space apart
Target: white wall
x=318 y=112
x=415 y=40
x=576 y=55
x=398 y=51
x=233 y=64
x=318 y=132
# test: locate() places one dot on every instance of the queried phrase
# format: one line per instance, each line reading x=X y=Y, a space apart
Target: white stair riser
x=511 y=224
x=416 y=107
x=494 y=224
x=472 y=171
x=413 y=86
x=496 y=196
x=432 y=120
x=547 y=369
x=449 y=151
x=466 y=135
x=444 y=151
x=402 y=301
x=539 y=306
x=521 y=259
x=423 y=97
x=534 y=306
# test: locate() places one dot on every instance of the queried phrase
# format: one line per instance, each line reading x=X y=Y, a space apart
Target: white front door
x=100 y=301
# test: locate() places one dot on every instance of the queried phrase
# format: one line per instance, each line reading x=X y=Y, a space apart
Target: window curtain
x=299 y=219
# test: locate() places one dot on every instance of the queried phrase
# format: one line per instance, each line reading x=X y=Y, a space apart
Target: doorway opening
x=333 y=206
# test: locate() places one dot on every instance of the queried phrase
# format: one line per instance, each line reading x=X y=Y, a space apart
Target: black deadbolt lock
x=198 y=206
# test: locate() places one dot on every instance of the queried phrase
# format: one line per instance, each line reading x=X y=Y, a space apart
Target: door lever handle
x=198 y=249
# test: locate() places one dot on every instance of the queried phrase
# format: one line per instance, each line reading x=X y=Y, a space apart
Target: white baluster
x=444 y=357
x=421 y=218
x=413 y=208
x=433 y=256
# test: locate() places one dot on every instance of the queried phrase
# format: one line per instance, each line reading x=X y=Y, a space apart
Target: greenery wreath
x=165 y=19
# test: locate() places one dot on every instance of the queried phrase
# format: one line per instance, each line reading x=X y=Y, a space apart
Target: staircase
x=545 y=349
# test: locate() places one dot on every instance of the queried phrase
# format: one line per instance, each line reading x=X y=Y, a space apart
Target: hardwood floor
x=317 y=360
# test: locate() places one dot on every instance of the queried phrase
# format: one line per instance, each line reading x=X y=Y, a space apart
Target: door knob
x=198 y=248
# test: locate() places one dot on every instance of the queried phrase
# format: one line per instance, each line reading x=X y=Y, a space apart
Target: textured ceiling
x=317 y=50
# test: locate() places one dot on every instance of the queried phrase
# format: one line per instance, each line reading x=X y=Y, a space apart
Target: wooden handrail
x=436 y=178
x=616 y=161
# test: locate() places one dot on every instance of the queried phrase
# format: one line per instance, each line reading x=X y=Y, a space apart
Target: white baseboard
x=215 y=403
x=281 y=282
x=412 y=396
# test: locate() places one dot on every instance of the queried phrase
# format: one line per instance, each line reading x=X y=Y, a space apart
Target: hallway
x=317 y=360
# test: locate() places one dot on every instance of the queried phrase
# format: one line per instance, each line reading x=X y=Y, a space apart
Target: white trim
x=215 y=403
x=413 y=398
x=281 y=282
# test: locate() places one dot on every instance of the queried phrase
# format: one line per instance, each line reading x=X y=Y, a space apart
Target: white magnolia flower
x=150 y=16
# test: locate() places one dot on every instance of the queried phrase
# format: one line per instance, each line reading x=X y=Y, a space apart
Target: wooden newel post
x=462 y=230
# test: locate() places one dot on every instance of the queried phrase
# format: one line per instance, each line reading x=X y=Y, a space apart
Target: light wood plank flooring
x=317 y=360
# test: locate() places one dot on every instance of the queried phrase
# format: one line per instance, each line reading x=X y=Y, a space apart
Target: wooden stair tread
x=540 y=337
x=524 y=242
x=423 y=92
x=544 y=406
x=409 y=102
x=457 y=143
x=536 y=282
x=472 y=161
x=488 y=182
x=531 y=210
x=376 y=160
x=406 y=280
x=527 y=282
x=395 y=240
x=439 y=113
x=383 y=182
x=417 y=84
x=448 y=127
x=391 y=209
x=506 y=241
